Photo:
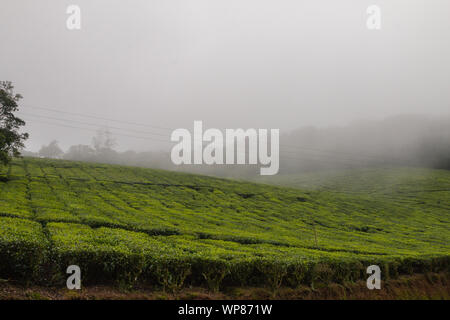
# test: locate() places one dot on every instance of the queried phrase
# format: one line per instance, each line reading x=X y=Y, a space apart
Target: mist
x=341 y=95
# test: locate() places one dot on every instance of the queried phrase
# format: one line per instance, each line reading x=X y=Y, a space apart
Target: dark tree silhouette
x=11 y=140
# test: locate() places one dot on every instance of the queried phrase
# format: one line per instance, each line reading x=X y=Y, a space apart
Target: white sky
x=231 y=63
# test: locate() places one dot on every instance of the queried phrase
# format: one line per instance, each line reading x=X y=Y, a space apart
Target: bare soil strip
x=419 y=286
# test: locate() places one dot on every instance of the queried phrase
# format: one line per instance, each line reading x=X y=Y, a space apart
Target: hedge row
x=108 y=255
x=23 y=249
x=167 y=203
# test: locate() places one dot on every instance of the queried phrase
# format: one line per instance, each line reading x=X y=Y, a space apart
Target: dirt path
x=419 y=286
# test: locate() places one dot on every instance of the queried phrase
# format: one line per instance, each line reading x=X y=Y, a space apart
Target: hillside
x=132 y=225
x=388 y=181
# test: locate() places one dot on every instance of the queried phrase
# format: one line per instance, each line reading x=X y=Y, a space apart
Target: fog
x=143 y=68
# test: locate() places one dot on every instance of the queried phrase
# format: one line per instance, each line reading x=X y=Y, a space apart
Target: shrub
x=23 y=249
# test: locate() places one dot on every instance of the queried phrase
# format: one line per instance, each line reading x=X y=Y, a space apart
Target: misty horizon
x=233 y=64
x=165 y=146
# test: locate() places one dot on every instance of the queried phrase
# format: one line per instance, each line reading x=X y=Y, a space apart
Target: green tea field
x=132 y=225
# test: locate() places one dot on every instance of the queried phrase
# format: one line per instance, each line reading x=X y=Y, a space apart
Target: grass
x=132 y=225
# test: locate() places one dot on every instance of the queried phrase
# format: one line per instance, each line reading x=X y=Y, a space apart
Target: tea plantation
x=131 y=225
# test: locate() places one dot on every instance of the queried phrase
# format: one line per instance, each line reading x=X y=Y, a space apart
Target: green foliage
x=11 y=140
x=23 y=249
x=130 y=225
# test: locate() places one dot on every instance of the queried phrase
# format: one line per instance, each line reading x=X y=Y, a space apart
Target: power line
x=92 y=124
x=300 y=148
x=331 y=152
x=98 y=118
x=164 y=141
x=95 y=130
x=333 y=160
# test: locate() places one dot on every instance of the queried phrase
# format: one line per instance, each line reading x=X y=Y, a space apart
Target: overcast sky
x=231 y=63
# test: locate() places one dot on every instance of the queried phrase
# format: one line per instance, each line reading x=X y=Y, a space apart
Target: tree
x=51 y=151
x=103 y=141
x=11 y=140
x=80 y=153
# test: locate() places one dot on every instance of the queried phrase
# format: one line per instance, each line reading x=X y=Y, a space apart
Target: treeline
x=417 y=141
x=101 y=150
x=406 y=140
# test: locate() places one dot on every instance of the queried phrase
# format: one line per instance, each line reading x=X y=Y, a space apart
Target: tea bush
x=131 y=225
